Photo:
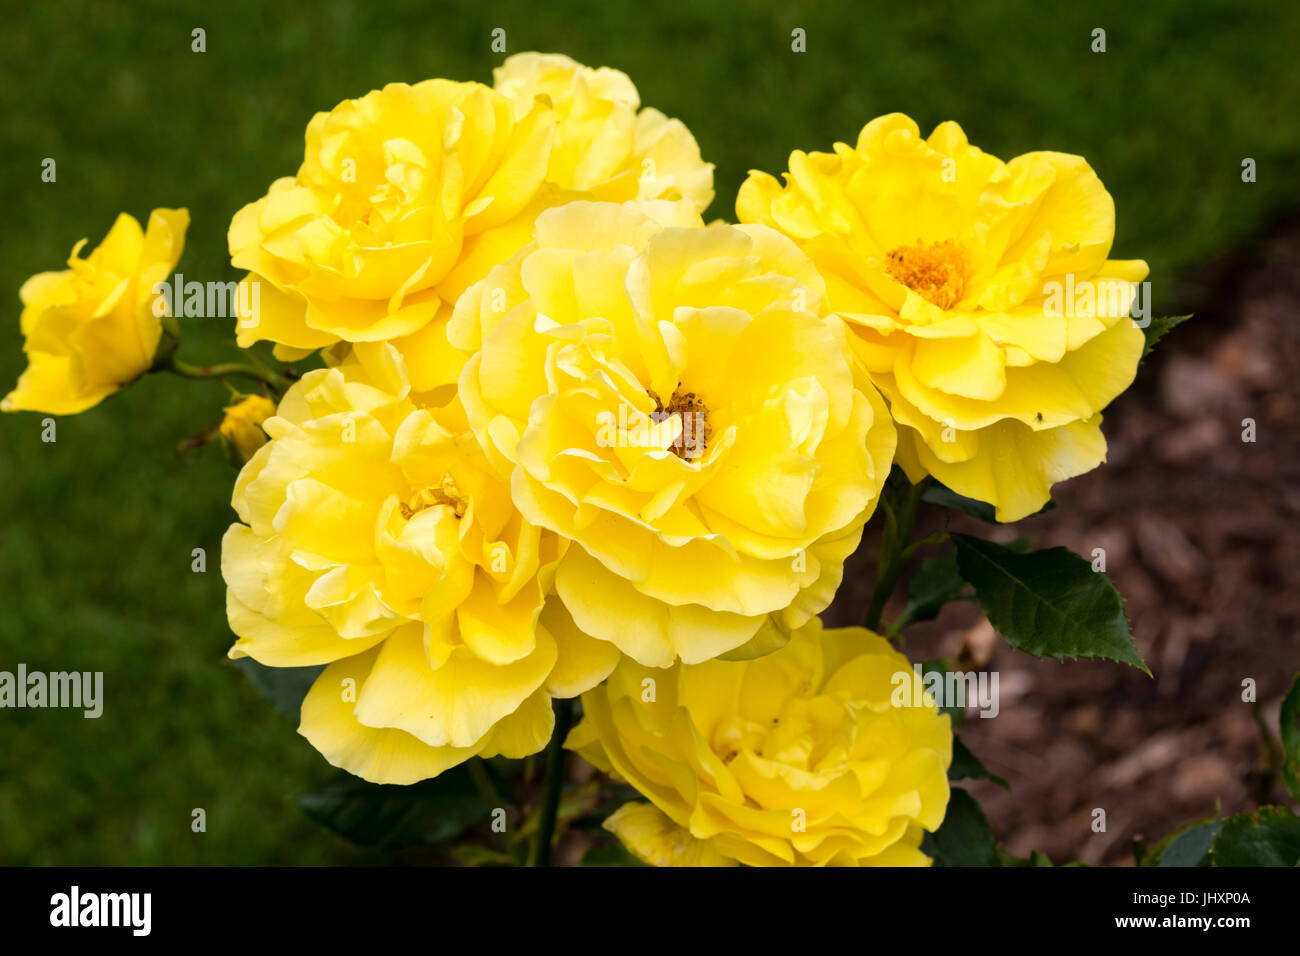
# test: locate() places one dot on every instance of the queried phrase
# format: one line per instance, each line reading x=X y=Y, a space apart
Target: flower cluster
x=570 y=440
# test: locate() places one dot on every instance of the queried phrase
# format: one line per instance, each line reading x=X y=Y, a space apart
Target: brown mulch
x=1202 y=537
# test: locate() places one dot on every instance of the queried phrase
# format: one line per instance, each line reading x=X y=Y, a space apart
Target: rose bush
x=571 y=441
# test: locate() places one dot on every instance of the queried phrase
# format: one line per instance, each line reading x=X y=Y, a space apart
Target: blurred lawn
x=98 y=528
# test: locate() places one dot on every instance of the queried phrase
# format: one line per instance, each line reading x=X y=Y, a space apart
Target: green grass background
x=96 y=530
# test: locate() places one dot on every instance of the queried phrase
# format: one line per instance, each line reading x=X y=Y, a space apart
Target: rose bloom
x=242 y=424
x=605 y=145
x=91 y=329
x=374 y=537
x=675 y=400
x=399 y=195
x=980 y=297
x=799 y=758
x=409 y=194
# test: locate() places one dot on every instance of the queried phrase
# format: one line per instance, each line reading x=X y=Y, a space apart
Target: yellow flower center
x=936 y=272
x=696 y=430
x=445 y=493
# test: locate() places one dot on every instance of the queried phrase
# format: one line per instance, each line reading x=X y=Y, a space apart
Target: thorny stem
x=894 y=551
x=276 y=383
x=893 y=630
x=1272 y=753
x=541 y=855
x=935 y=537
x=486 y=786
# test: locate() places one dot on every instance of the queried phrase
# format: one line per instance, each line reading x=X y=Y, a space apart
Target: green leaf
x=1048 y=603
x=938 y=665
x=1157 y=328
x=1189 y=846
x=965 y=838
x=1289 y=721
x=609 y=854
x=944 y=497
x=472 y=854
x=391 y=816
x=966 y=766
x=935 y=583
x=612 y=796
x=1035 y=858
x=577 y=802
x=285 y=687
x=1268 y=837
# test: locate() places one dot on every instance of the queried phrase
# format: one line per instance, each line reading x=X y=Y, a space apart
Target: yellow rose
x=605 y=145
x=980 y=296
x=375 y=538
x=91 y=328
x=242 y=424
x=799 y=758
x=675 y=399
x=411 y=193
x=402 y=195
